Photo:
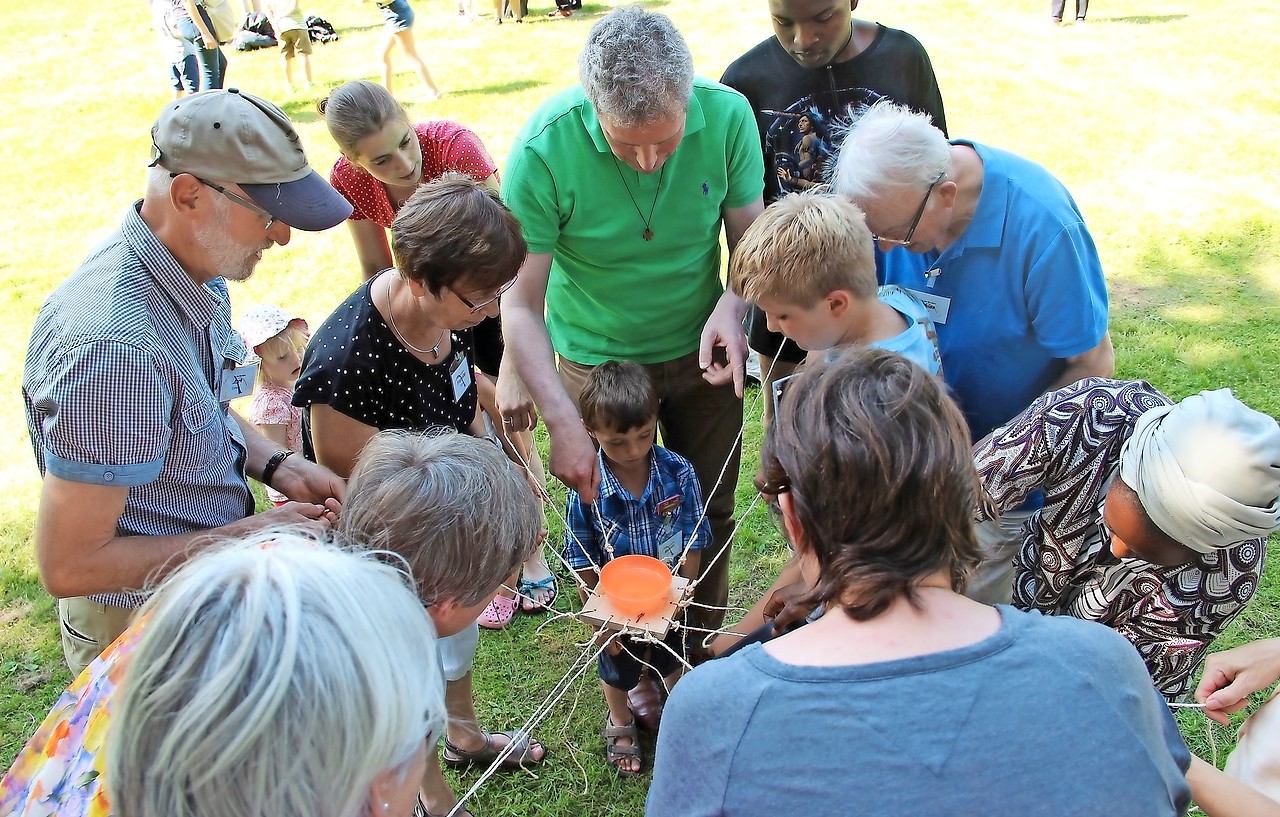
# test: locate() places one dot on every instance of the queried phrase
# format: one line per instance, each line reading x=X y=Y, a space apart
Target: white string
x=546 y=500
x=706 y=566
x=580 y=666
x=706 y=499
x=523 y=734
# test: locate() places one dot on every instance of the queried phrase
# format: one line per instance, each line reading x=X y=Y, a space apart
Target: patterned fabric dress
x=59 y=770
x=1068 y=443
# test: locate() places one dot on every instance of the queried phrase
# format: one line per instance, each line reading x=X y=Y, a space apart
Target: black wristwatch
x=269 y=470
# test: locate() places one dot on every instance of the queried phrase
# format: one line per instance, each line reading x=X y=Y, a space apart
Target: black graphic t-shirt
x=799 y=110
x=797 y=107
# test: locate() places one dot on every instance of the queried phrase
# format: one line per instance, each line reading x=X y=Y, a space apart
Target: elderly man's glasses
x=476 y=307
x=238 y=199
x=915 y=222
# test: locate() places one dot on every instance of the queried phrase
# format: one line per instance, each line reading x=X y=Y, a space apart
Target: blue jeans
x=186 y=74
x=212 y=62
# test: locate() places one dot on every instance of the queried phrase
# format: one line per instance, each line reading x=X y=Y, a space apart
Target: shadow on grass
x=1193 y=309
x=510 y=87
x=1139 y=19
x=303 y=110
x=358 y=29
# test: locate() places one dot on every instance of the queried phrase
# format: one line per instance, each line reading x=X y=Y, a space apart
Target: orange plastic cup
x=636 y=585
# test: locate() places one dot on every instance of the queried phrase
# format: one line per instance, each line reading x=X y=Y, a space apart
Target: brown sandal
x=614 y=754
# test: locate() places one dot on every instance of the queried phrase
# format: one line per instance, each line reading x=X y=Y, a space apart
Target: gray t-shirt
x=1050 y=716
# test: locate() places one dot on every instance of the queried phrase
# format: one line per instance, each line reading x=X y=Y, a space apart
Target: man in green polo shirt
x=621 y=186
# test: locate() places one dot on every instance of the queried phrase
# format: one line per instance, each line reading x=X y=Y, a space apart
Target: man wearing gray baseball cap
x=133 y=361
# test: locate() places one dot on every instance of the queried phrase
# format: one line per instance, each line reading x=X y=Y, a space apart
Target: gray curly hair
x=636 y=67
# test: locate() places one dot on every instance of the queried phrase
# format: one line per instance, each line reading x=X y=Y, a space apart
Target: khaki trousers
x=88 y=627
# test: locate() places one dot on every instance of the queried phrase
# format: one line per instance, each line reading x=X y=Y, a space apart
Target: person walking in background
x=291 y=32
x=1058 y=7
x=398 y=15
x=518 y=9
x=819 y=62
x=565 y=8
x=179 y=53
x=196 y=26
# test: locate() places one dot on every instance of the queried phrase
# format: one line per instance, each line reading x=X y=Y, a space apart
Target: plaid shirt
x=1068 y=443
x=636 y=525
x=121 y=389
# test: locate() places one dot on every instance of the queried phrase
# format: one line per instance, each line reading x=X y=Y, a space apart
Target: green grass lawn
x=1161 y=121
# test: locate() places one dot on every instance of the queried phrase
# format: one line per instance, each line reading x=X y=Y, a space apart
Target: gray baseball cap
x=231 y=136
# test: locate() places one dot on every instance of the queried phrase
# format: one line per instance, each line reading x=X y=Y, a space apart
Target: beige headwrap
x=1207 y=471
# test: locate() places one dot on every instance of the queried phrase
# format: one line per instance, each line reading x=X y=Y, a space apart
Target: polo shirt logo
x=706 y=189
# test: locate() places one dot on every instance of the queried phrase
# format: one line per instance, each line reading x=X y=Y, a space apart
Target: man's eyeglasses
x=477 y=307
x=238 y=199
x=915 y=222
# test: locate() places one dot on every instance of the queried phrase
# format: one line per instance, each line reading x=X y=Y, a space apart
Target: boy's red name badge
x=669 y=505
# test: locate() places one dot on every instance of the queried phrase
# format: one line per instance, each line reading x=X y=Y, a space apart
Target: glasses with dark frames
x=238 y=199
x=474 y=307
x=915 y=222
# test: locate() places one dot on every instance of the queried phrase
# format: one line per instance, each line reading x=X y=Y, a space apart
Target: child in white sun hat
x=278 y=339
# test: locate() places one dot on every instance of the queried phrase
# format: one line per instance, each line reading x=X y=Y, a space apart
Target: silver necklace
x=434 y=351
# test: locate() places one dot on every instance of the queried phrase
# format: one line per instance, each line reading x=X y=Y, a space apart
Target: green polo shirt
x=611 y=293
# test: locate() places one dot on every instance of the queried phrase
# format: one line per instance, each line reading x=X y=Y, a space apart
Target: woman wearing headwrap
x=1155 y=515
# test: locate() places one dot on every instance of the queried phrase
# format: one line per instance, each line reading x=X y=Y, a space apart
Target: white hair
x=159 y=181
x=450 y=504
x=635 y=67
x=274 y=676
x=889 y=146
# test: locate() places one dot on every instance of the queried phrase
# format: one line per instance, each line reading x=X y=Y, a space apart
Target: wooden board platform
x=598 y=612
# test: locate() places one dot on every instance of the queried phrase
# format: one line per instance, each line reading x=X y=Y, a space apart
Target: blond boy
x=809 y=263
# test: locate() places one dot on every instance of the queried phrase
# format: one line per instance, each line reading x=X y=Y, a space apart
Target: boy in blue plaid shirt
x=649 y=503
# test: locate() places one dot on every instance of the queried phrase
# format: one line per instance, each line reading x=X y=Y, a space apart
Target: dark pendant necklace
x=647 y=235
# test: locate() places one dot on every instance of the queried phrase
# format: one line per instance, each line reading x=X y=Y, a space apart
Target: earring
x=386 y=806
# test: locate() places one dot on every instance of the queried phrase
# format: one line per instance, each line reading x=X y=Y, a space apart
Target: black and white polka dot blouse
x=356 y=365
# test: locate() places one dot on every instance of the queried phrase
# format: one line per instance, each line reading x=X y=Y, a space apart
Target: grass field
x=1162 y=121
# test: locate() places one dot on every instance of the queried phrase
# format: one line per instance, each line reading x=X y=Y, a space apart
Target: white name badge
x=237 y=382
x=671 y=546
x=938 y=306
x=461 y=376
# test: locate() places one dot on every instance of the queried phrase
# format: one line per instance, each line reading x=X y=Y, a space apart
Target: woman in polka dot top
x=397 y=354
x=384 y=160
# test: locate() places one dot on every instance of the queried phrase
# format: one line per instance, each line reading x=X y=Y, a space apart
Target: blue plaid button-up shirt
x=122 y=387
x=671 y=503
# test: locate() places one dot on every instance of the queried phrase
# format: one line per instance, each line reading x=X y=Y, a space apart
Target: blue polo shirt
x=1017 y=293
x=122 y=384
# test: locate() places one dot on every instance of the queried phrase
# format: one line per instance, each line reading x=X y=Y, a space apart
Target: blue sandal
x=528 y=599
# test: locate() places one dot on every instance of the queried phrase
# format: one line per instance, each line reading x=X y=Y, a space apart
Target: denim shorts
x=398 y=14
